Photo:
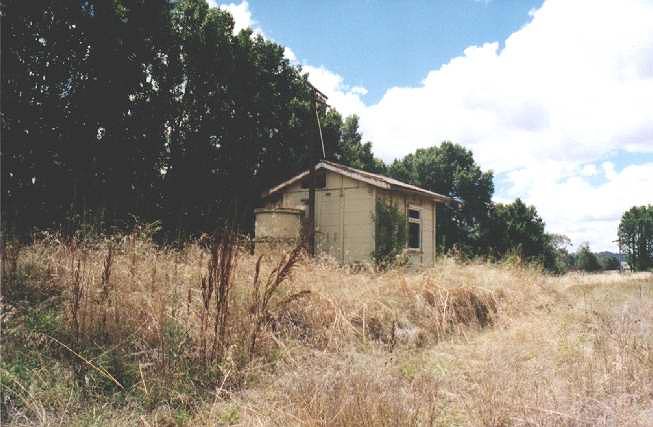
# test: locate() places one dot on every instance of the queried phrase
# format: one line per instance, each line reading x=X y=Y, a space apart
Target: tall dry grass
x=209 y=333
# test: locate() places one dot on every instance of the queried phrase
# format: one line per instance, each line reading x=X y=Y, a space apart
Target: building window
x=414 y=229
x=319 y=180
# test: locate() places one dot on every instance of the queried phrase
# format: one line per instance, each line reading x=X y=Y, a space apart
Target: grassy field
x=120 y=332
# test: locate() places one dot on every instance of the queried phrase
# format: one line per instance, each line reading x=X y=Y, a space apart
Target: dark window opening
x=413 y=235
x=413 y=213
x=414 y=229
x=319 y=180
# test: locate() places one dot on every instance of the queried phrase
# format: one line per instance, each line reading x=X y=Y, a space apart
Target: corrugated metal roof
x=373 y=179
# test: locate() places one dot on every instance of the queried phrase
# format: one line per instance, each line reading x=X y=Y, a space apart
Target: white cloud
x=547 y=110
x=574 y=83
x=589 y=170
x=571 y=204
x=241 y=13
x=572 y=87
x=347 y=100
x=290 y=55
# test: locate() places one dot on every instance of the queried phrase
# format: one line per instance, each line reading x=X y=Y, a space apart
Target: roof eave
x=284 y=184
x=378 y=183
x=427 y=194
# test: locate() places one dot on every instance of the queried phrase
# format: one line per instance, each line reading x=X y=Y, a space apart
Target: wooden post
x=311 y=210
x=618 y=241
x=318 y=97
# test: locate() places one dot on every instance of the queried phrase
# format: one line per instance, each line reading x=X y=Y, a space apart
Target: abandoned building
x=345 y=201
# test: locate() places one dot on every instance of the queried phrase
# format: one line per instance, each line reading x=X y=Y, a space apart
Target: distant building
x=345 y=200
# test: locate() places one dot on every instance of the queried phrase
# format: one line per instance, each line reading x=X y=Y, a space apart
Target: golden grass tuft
x=208 y=333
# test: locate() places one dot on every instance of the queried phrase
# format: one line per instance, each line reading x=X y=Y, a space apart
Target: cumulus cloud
x=573 y=87
x=585 y=211
x=573 y=84
x=290 y=55
x=242 y=15
x=548 y=109
x=243 y=18
x=347 y=100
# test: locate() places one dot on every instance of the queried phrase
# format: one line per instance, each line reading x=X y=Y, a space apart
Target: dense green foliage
x=155 y=110
x=146 y=108
x=478 y=226
x=517 y=227
x=586 y=260
x=636 y=237
x=353 y=152
x=608 y=262
x=563 y=260
x=390 y=232
x=450 y=169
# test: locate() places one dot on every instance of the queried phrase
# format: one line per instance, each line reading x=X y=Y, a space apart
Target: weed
x=119 y=331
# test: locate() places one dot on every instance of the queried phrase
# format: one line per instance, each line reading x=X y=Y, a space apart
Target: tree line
x=149 y=109
x=477 y=227
x=155 y=110
x=482 y=228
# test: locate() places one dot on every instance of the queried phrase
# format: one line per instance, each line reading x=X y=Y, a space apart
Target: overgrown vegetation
x=118 y=331
x=451 y=169
x=129 y=321
x=390 y=234
x=196 y=106
x=586 y=260
x=185 y=104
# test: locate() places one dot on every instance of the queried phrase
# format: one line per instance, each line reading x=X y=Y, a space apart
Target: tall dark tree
x=636 y=237
x=81 y=117
x=517 y=227
x=245 y=114
x=354 y=152
x=146 y=108
x=609 y=262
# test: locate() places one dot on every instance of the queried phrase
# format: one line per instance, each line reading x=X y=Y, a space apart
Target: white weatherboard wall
x=344 y=217
x=344 y=226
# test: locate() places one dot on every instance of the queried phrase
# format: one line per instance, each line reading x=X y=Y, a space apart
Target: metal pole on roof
x=319 y=127
x=318 y=98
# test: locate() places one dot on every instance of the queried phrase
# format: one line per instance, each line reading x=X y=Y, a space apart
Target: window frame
x=418 y=221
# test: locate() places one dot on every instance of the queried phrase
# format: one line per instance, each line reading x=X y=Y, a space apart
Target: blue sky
x=381 y=44
x=554 y=96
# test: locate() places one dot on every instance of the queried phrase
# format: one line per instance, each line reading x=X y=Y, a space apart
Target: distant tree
x=636 y=236
x=563 y=260
x=450 y=169
x=517 y=227
x=353 y=152
x=586 y=260
x=608 y=262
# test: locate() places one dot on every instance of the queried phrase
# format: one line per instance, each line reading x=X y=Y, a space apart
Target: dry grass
x=120 y=332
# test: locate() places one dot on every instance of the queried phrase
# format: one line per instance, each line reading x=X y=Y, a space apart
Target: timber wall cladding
x=344 y=217
x=358 y=225
x=426 y=256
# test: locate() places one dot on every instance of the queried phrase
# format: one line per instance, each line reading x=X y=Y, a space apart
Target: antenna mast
x=318 y=99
